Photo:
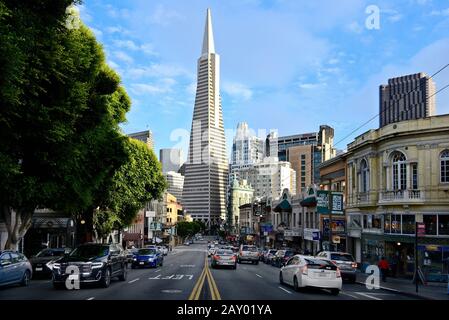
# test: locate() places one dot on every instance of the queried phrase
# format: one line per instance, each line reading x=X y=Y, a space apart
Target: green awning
x=284 y=206
x=309 y=202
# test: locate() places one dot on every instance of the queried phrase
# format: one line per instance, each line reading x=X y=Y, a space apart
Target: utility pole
x=329 y=205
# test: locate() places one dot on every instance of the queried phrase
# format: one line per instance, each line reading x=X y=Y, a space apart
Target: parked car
x=14 y=268
x=248 y=253
x=148 y=257
x=97 y=263
x=224 y=257
x=344 y=261
x=305 y=271
x=281 y=257
x=269 y=255
x=42 y=262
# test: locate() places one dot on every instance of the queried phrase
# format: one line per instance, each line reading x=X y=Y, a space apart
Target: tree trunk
x=17 y=224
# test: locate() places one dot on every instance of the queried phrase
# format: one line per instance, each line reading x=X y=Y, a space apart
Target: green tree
x=136 y=182
x=61 y=106
x=183 y=229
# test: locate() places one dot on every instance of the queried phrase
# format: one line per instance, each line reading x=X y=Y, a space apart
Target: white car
x=305 y=271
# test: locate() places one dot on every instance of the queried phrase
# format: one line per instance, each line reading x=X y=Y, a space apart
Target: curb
x=409 y=294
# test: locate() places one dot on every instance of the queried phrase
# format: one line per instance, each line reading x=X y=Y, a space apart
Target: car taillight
x=334 y=262
x=338 y=273
x=354 y=265
x=234 y=258
x=217 y=257
x=305 y=270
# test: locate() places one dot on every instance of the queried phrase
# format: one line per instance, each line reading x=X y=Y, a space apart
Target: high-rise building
x=283 y=143
x=271 y=145
x=171 y=159
x=247 y=148
x=206 y=171
x=405 y=98
x=175 y=184
x=144 y=136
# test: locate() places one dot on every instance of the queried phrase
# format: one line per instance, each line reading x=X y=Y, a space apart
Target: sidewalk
x=431 y=291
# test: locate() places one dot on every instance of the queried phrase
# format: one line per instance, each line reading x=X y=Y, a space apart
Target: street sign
x=322 y=206
x=421 y=229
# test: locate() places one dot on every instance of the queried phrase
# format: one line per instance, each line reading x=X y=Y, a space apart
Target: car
x=248 y=253
x=306 y=271
x=344 y=261
x=14 y=268
x=42 y=262
x=187 y=243
x=224 y=257
x=97 y=264
x=281 y=257
x=269 y=254
x=130 y=253
x=148 y=257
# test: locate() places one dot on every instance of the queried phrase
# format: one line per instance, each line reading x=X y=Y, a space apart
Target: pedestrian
x=383 y=266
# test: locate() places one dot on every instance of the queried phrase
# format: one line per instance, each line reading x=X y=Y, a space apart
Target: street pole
x=330 y=214
x=416 y=256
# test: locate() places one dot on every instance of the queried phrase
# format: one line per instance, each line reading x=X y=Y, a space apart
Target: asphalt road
x=186 y=275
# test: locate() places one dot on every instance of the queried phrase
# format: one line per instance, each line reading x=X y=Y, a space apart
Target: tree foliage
x=61 y=107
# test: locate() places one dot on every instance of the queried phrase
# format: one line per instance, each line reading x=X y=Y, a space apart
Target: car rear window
x=249 y=248
x=320 y=264
x=341 y=257
x=224 y=252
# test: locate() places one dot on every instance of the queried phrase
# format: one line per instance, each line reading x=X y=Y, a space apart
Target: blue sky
x=285 y=64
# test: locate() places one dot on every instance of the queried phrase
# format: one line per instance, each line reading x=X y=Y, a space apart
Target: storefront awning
x=284 y=206
x=308 y=202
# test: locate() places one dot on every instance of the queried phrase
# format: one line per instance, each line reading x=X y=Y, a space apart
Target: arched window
x=444 y=161
x=364 y=175
x=399 y=171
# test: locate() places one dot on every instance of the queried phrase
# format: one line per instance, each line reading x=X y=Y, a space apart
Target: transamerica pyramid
x=206 y=168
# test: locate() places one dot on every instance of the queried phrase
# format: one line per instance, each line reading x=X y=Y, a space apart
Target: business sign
x=150 y=214
x=336 y=207
x=266 y=228
x=338 y=226
x=292 y=233
x=312 y=234
x=155 y=226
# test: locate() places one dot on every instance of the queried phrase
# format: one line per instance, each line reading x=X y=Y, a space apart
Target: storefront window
x=408 y=224
x=387 y=223
x=395 y=223
x=430 y=220
x=443 y=224
x=372 y=221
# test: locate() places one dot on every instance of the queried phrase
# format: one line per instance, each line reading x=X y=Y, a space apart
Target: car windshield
x=318 y=262
x=50 y=253
x=342 y=257
x=146 y=251
x=280 y=252
x=224 y=252
x=249 y=248
x=85 y=252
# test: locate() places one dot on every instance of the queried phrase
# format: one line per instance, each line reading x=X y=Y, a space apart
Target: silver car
x=344 y=261
x=14 y=268
x=248 y=253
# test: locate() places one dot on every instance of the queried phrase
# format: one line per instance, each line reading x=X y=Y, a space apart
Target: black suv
x=97 y=263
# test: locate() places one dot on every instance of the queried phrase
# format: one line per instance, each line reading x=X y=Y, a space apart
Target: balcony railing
x=401 y=196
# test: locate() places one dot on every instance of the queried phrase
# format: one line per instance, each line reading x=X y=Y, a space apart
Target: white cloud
x=127 y=44
x=444 y=12
x=237 y=91
x=163 y=86
x=157 y=70
x=333 y=61
x=123 y=56
x=311 y=86
x=354 y=27
x=163 y=16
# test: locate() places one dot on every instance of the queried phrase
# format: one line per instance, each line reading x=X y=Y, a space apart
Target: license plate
x=322 y=274
x=141 y=262
x=38 y=269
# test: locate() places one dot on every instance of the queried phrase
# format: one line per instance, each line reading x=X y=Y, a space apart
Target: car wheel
x=106 y=279
x=25 y=279
x=122 y=277
x=281 y=278
x=295 y=284
x=335 y=292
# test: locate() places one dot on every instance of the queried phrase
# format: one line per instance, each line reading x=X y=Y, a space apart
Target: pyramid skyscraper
x=206 y=169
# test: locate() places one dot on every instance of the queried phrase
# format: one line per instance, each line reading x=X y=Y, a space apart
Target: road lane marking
x=91 y=298
x=213 y=286
x=259 y=275
x=350 y=295
x=171 y=291
x=158 y=270
x=132 y=281
x=187 y=266
x=198 y=286
x=368 y=296
x=285 y=290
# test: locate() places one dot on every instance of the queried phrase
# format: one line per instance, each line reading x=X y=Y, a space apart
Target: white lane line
x=285 y=290
x=259 y=275
x=133 y=280
x=158 y=270
x=368 y=296
x=350 y=295
x=91 y=298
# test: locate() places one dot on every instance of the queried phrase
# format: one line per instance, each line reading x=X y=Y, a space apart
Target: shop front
x=312 y=239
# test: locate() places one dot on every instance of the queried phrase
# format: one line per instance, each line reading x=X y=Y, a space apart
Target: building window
x=444 y=160
x=396 y=223
x=365 y=176
x=443 y=224
x=408 y=224
x=414 y=168
x=372 y=221
x=399 y=171
x=430 y=221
